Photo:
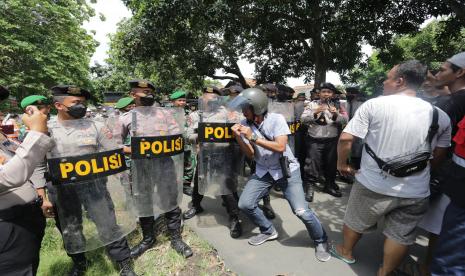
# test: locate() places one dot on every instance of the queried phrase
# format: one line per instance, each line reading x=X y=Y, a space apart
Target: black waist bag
x=411 y=163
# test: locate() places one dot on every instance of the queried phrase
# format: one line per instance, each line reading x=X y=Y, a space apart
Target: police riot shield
x=90 y=187
x=157 y=153
x=287 y=110
x=220 y=158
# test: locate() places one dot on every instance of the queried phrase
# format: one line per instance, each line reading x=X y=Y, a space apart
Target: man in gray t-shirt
x=393 y=125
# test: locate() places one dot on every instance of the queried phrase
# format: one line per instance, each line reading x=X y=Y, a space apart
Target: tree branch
x=224 y=78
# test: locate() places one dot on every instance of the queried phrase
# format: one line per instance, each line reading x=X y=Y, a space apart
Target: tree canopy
x=42 y=43
x=284 y=38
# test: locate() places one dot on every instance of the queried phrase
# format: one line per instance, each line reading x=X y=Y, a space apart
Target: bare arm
x=439 y=155
x=344 y=147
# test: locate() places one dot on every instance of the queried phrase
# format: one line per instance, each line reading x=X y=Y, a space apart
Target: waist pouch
x=410 y=163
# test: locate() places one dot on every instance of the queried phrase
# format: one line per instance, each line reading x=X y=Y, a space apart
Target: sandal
x=335 y=254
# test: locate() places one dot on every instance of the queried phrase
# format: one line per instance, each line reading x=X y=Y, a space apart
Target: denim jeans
x=449 y=255
x=292 y=189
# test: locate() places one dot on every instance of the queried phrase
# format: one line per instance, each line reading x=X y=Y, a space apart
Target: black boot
x=148 y=237
x=187 y=190
x=126 y=268
x=179 y=245
x=330 y=188
x=79 y=267
x=309 y=193
x=235 y=229
x=267 y=209
x=192 y=212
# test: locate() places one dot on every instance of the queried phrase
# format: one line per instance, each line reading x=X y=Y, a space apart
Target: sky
x=115 y=11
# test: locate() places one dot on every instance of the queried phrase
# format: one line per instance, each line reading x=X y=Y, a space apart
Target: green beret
x=178 y=94
x=34 y=100
x=123 y=102
x=70 y=90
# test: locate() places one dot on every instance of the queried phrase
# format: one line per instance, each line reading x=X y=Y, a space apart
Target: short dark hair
x=454 y=67
x=413 y=71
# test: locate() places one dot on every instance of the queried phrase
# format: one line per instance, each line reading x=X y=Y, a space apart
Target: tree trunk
x=318 y=47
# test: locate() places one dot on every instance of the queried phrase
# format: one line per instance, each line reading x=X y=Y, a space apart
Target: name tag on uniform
x=215 y=132
x=72 y=169
x=156 y=146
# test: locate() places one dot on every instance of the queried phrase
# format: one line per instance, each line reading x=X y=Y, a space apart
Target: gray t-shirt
x=392 y=126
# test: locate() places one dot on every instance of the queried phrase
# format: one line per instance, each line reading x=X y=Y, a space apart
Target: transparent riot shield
x=287 y=110
x=157 y=146
x=220 y=158
x=90 y=187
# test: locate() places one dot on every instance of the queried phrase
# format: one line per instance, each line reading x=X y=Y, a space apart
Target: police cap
x=70 y=90
x=141 y=84
x=211 y=89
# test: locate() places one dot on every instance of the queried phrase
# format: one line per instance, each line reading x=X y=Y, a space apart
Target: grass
x=159 y=260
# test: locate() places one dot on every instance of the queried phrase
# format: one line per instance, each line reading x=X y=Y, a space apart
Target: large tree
x=284 y=38
x=432 y=45
x=42 y=43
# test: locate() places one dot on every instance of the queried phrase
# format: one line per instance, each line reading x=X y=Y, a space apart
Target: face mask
x=147 y=100
x=77 y=111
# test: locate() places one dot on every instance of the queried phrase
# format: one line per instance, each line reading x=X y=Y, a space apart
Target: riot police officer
x=154 y=180
x=75 y=137
x=215 y=161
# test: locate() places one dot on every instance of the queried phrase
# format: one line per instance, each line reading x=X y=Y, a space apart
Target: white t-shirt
x=392 y=126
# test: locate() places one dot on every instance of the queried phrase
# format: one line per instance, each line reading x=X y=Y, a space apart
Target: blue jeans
x=449 y=256
x=292 y=189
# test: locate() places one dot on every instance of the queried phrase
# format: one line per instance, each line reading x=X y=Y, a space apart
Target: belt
x=19 y=210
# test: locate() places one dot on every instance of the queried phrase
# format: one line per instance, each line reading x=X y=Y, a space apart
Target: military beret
x=70 y=90
x=123 y=102
x=34 y=100
x=236 y=88
x=302 y=94
x=177 y=94
x=141 y=84
x=4 y=93
x=211 y=89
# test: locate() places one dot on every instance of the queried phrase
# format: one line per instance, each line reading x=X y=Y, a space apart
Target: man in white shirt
x=393 y=126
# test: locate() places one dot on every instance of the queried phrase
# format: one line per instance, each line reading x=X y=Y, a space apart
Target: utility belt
x=18 y=211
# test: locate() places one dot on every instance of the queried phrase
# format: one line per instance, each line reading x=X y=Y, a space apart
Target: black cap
x=141 y=84
x=236 y=88
x=70 y=90
x=4 y=93
x=211 y=89
x=330 y=86
x=269 y=87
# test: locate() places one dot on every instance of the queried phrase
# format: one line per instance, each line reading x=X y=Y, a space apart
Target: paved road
x=293 y=252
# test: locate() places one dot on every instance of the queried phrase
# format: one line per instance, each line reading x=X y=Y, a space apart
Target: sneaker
x=261 y=238
x=322 y=253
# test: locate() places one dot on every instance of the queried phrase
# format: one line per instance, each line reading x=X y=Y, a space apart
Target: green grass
x=159 y=260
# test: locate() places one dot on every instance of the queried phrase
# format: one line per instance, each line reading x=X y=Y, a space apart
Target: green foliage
x=42 y=44
x=284 y=38
x=432 y=45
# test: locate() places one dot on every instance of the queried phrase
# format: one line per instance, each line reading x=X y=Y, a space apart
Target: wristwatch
x=254 y=138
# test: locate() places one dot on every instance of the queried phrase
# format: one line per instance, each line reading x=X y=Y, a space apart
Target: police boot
x=178 y=244
x=332 y=189
x=79 y=265
x=309 y=193
x=267 y=209
x=148 y=238
x=191 y=212
x=126 y=268
x=235 y=229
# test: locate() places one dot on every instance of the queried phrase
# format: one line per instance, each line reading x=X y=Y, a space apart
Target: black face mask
x=147 y=100
x=77 y=111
